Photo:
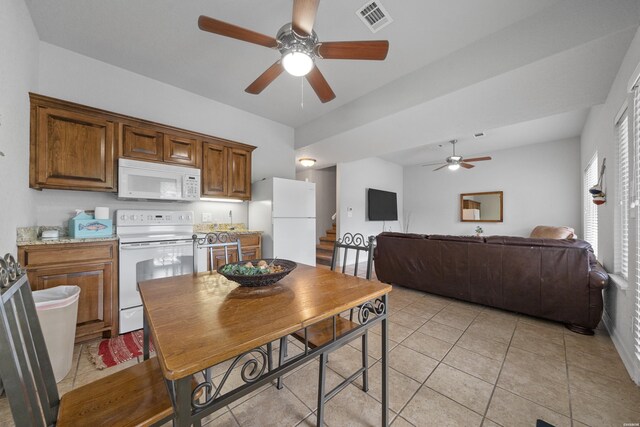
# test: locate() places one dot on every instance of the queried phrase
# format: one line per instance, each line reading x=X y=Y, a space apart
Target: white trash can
x=58 y=312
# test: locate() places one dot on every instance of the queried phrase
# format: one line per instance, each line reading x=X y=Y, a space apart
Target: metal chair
x=30 y=385
x=326 y=330
x=213 y=241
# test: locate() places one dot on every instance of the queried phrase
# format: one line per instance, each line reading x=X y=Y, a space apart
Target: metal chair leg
x=270 y=356
x=365 y=363
x=321 y=397
x=282 y=353
x=208 y=373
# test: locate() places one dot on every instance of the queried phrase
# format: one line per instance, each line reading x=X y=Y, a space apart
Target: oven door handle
x=173 y=244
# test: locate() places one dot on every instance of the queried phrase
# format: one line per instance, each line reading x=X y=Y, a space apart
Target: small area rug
x=113 y=351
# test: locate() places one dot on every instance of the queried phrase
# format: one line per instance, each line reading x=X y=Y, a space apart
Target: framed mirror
x=481 y=207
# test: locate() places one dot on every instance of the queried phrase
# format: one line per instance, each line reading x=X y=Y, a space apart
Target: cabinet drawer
x=249 y=240
x=51 y=255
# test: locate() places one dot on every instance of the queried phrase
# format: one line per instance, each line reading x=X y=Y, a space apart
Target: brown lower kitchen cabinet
x=251 y=245
x=91 y=266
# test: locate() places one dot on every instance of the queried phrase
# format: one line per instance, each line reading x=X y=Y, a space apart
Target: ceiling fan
x=300 y=47
x=454 y=162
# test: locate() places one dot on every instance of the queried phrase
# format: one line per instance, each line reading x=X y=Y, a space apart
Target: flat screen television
x=383 y=205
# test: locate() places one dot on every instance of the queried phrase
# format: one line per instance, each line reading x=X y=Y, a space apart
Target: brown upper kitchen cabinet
x=226 y=170
x=75 y=147
x=180 y=150
x=214 y=168
x=142 y=143
x=71 y=149
x=151 y=144
x=239 y=173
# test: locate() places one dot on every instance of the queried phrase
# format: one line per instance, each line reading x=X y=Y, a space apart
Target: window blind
x=622 y=253
x=636 y=145
x=590 y=208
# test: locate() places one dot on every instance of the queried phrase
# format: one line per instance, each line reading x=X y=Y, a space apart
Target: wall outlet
x=206 y=217
x=349 y=212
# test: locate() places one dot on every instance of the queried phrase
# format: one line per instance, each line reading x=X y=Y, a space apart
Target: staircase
x=324 y=250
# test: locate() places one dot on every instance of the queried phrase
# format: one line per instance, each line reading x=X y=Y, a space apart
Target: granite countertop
x=27 y=236
x=239 y=228
x=64 y=239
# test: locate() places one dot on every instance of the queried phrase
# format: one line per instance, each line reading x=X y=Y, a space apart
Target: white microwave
x=157 y=181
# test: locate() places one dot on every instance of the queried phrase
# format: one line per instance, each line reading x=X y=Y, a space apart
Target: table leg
x=385 y=365
x=182 y=389
x=145 y=337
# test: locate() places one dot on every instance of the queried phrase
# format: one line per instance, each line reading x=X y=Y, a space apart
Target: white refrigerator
x=285 y=211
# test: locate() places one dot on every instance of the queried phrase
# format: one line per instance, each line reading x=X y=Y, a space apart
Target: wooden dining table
x=198 y=321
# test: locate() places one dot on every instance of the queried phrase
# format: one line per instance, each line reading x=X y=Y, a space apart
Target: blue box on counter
x=83 y=226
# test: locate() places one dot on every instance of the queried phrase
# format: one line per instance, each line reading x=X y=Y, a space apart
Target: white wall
x=598 y=135
x=541 y=185
x=70 y=76
x=353 y=180
x=18 y=76
x=325 y=180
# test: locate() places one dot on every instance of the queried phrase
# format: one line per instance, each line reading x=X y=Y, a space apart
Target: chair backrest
x=25 y=367
x=213 y=241
x=358 y=243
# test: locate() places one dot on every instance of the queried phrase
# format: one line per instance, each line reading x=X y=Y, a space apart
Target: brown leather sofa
x=554 y=279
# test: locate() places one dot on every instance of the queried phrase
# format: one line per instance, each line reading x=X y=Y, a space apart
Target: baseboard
x=628 y=357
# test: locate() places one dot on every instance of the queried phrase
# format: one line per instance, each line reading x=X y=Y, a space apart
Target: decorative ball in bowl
x=262 y=272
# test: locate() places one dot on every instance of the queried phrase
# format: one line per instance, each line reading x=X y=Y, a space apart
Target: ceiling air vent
x=374 y=16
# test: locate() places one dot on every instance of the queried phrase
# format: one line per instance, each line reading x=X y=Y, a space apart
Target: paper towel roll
x=102 y=213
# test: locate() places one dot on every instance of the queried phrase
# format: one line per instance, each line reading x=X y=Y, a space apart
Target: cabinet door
x=214 y=169
x=219 y=259
x=250 y=253
x=96 y=301
x=239 y=173
x=72 y=150
x=141 y=143
x=183 y=151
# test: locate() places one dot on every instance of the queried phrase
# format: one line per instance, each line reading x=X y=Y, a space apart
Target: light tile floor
x=451 y=363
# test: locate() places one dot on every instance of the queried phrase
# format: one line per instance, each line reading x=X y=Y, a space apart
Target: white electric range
x=153 y=244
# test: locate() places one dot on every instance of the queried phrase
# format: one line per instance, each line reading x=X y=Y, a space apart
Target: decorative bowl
x=260 y=279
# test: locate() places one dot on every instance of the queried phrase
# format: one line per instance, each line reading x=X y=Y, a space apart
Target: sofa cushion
x=548 y=232
x=403 y=235
x=527 y=241
x=467 y=239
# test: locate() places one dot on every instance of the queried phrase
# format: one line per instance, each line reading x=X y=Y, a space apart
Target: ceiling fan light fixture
x=307 y=162
x=454 y=167
x=297 y=62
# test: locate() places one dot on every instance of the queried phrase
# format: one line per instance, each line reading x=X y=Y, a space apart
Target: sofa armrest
x=598 y=277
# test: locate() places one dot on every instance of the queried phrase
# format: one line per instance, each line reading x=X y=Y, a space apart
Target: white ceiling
x=553 y=128
x=524 y=71
x=160 y=39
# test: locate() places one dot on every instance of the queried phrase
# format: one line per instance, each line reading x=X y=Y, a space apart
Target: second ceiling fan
x=454 y=162
x=299 y=47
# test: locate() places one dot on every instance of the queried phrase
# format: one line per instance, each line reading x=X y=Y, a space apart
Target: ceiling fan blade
x=432 y=164
x=371 y=49
x=265 y=78
x=320 y=85
x=477 y=159
x=466 y=165
x=437 y=169
x=215 y=26
x=304 y=15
